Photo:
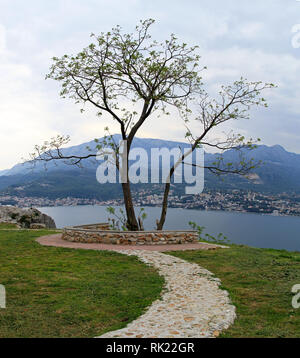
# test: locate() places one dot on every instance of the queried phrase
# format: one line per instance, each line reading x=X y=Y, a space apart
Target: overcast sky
x=237 y=38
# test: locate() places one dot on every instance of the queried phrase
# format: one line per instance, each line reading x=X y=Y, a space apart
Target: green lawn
x=57 y=292
x=5 y=226
x=259 y=282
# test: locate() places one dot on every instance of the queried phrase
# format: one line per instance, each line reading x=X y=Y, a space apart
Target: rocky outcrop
x=26 y=218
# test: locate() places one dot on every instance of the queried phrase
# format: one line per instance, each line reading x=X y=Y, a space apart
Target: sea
x=257 y=230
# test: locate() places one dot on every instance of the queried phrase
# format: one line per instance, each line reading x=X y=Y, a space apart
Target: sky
x=259 y=40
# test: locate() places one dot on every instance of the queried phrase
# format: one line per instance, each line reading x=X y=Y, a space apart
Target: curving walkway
x=191 y=306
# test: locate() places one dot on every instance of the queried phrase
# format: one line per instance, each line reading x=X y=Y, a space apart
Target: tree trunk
x=132 y=223
x=161 y=222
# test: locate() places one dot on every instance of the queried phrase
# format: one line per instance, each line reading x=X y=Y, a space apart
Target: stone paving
x=191 y=305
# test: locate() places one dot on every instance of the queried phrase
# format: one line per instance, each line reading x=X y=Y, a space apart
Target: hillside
x=279 y=172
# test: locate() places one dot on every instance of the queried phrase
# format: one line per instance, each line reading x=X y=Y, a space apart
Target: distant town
x=234 y=200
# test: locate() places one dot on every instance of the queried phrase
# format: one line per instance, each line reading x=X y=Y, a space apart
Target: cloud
x=251 y=30
x=2 y=39
x=236 y=38
x=22 y=108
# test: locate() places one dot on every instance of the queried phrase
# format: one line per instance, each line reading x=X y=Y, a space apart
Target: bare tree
x=153 y=77
x=234 y=103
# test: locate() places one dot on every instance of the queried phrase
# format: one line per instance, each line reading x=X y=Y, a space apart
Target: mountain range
x=279 y=172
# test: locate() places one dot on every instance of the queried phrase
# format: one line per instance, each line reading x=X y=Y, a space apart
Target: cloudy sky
x=250 y=38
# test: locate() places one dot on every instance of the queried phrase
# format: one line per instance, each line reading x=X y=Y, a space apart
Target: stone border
x=100 y=233
x=56 y=240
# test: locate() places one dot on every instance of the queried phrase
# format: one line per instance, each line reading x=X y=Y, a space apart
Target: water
x=256 y=230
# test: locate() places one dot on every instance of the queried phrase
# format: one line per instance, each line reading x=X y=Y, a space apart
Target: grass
x=259 y=282
x=6 y=226
x=58 y=292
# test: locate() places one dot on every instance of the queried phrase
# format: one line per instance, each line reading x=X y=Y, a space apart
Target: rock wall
x=26 y=218
x=90 y=235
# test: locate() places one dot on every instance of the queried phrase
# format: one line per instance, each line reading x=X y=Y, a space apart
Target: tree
x=153 y=77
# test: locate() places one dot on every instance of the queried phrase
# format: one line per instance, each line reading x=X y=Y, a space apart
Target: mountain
x=4 y=172
x=90 y=164
x=280 y=172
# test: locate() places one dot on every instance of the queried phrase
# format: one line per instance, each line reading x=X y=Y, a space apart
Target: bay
x=266 y=231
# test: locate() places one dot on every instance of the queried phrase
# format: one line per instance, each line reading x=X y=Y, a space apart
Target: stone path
x=191 y=306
